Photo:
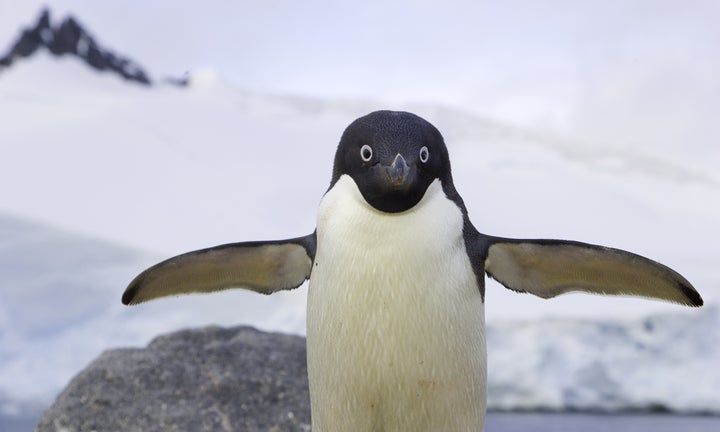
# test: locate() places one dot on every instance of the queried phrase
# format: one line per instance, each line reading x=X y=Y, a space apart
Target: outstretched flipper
x=264 y=267
x=548 y=268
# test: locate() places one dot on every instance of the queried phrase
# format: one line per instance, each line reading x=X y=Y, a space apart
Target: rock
x=71 y=38
x=209 y=379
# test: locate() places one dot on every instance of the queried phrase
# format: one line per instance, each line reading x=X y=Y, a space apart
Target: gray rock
x=209 y=379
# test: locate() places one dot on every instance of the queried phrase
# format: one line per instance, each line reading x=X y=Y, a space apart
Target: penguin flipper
x=548 y=268
x=262 y=266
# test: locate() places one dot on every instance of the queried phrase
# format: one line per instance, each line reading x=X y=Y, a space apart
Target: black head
x=393 y=157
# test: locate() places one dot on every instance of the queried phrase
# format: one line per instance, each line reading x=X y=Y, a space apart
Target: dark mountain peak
x=71 y=38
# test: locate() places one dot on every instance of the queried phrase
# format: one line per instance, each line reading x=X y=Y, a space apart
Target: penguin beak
x=393 y=187
x=398 y=173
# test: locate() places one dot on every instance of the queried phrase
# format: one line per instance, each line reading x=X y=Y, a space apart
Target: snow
x=102 y=178
x=639 y=363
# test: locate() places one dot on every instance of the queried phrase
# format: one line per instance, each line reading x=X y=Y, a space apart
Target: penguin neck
x=344 y=210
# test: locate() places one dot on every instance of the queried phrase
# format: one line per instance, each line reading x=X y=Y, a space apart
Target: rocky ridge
x=71 y=38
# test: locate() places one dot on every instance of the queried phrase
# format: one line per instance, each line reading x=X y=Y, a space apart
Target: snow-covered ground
x=656 y=363
x=101 y=178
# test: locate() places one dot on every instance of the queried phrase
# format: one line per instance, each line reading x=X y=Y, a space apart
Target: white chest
x=395 y=318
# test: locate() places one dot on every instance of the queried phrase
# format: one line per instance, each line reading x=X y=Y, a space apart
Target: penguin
x=396 y=270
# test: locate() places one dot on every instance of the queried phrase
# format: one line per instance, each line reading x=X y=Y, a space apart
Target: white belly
x=395 y=321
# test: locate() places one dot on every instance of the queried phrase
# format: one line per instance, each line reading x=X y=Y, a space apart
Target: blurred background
x=594 y=121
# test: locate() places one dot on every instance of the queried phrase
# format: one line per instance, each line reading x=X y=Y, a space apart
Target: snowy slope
x=56 y=308
x=166 y=171
x=656 y=363
x=100 y=179
x=638 y=74
x=171 y=170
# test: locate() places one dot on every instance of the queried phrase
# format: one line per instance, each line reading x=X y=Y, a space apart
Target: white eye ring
x=424 y=154
x=366 y=153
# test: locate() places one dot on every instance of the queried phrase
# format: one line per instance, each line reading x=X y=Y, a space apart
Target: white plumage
x=395 y=318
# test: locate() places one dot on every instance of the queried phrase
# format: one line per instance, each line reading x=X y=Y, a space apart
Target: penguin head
x=393 y=157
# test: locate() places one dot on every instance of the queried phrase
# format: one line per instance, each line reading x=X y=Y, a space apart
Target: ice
x=643 y=363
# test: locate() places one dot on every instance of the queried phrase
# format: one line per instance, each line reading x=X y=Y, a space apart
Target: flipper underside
x=264 y=267
x=548 y=268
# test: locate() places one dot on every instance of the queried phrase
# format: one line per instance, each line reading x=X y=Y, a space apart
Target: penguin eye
x=424 y=154
x=366 y=153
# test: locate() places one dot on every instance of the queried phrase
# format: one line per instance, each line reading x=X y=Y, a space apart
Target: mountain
x=71 y=38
